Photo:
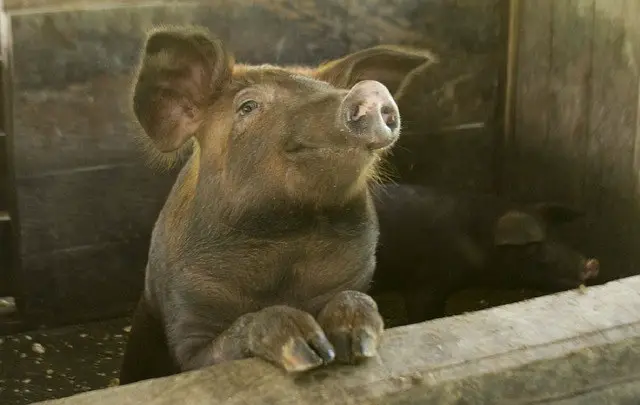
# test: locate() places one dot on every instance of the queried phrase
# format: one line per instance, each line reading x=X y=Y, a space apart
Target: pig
x=433 y=244
x=266 y=244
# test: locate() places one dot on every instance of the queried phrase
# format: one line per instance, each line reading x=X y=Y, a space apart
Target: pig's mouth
x=589 y=272
x=303 y=148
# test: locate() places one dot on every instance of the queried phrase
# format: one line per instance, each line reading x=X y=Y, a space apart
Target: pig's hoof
x=353 y=325
x=290 y=338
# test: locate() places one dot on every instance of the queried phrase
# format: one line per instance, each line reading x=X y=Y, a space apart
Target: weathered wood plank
x=563 y=171
x=633 y=8
x=532 y=94
x=523 y=152
x=6 y=269
x=471 y=25
x=549 y=350
x=73 y=109
x=612 y=133
x=81 y=125
x=20 y=5
x=89 y=206
x=568 y=108
x=83 y=283
x=608 y=173
x=4 y=174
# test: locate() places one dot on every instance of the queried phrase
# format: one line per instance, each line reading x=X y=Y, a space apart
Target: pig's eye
x=247 y=107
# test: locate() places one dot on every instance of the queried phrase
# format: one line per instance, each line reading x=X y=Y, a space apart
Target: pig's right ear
x=386 y=64
x=180 y=72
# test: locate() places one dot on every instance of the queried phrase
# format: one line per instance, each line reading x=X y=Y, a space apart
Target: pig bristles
x=162 y=161
x=380 y=175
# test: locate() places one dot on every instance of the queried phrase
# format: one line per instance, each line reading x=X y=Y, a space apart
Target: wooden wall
x=85 y=202
x=6 y=281
x=576 y=133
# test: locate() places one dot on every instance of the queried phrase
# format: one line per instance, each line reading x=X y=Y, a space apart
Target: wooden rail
x=568 y=348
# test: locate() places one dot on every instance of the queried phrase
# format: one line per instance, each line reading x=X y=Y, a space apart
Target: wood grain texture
x=83 y=283
x=506 y=355
x=6 y=273
x=576 y=131
x=613 y=132
x=22 y=5
x=89 y=206
x=534 y=64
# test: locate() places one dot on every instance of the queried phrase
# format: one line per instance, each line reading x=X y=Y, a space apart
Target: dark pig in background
x=433 y=244
x=266 y=244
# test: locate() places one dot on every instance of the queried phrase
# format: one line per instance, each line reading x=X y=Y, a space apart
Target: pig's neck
x=272 y=215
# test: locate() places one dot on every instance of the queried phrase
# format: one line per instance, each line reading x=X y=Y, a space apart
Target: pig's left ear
x=181 y=70
x=557 y=214
x=386 y=64
x=517 y=228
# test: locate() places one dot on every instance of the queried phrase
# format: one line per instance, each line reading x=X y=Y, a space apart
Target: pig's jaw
x=220 y=198
x=330 y=175
x=275 y=213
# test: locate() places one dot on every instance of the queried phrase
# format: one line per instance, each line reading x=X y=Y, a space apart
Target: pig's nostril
x=358 y=112
x=389 y=117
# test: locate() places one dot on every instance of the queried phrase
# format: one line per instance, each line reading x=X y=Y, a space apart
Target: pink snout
x=591 y=269
x=371 y=114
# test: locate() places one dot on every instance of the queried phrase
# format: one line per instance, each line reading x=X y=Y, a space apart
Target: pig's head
x=265 y=131
x=527 y=257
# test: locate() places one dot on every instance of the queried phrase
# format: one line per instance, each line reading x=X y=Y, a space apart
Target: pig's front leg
x=288 y=337
x=353 y=325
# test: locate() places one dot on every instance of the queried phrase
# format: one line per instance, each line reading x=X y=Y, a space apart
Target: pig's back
x=429 y=209
x=429 y=236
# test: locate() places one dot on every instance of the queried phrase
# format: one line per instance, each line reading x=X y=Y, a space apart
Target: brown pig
x=433 y=244
x=266 y=244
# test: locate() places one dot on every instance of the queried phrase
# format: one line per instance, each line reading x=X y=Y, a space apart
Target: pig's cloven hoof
x=353 y=325
x=289 y=338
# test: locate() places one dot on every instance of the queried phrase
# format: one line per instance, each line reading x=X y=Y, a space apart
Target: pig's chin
x=300 y=149
x=344 y=163
x=348 y=154
x=350 y=166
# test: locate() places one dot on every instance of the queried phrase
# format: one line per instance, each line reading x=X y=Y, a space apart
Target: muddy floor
x=57 y=363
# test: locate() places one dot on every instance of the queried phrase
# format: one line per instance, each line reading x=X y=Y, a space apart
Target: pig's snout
x=371 y=114
x=591 y=269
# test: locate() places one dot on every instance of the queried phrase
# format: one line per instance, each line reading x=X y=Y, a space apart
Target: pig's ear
x=517 y=228
x=180 y=72
x=387 y=64
x=557 y=214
